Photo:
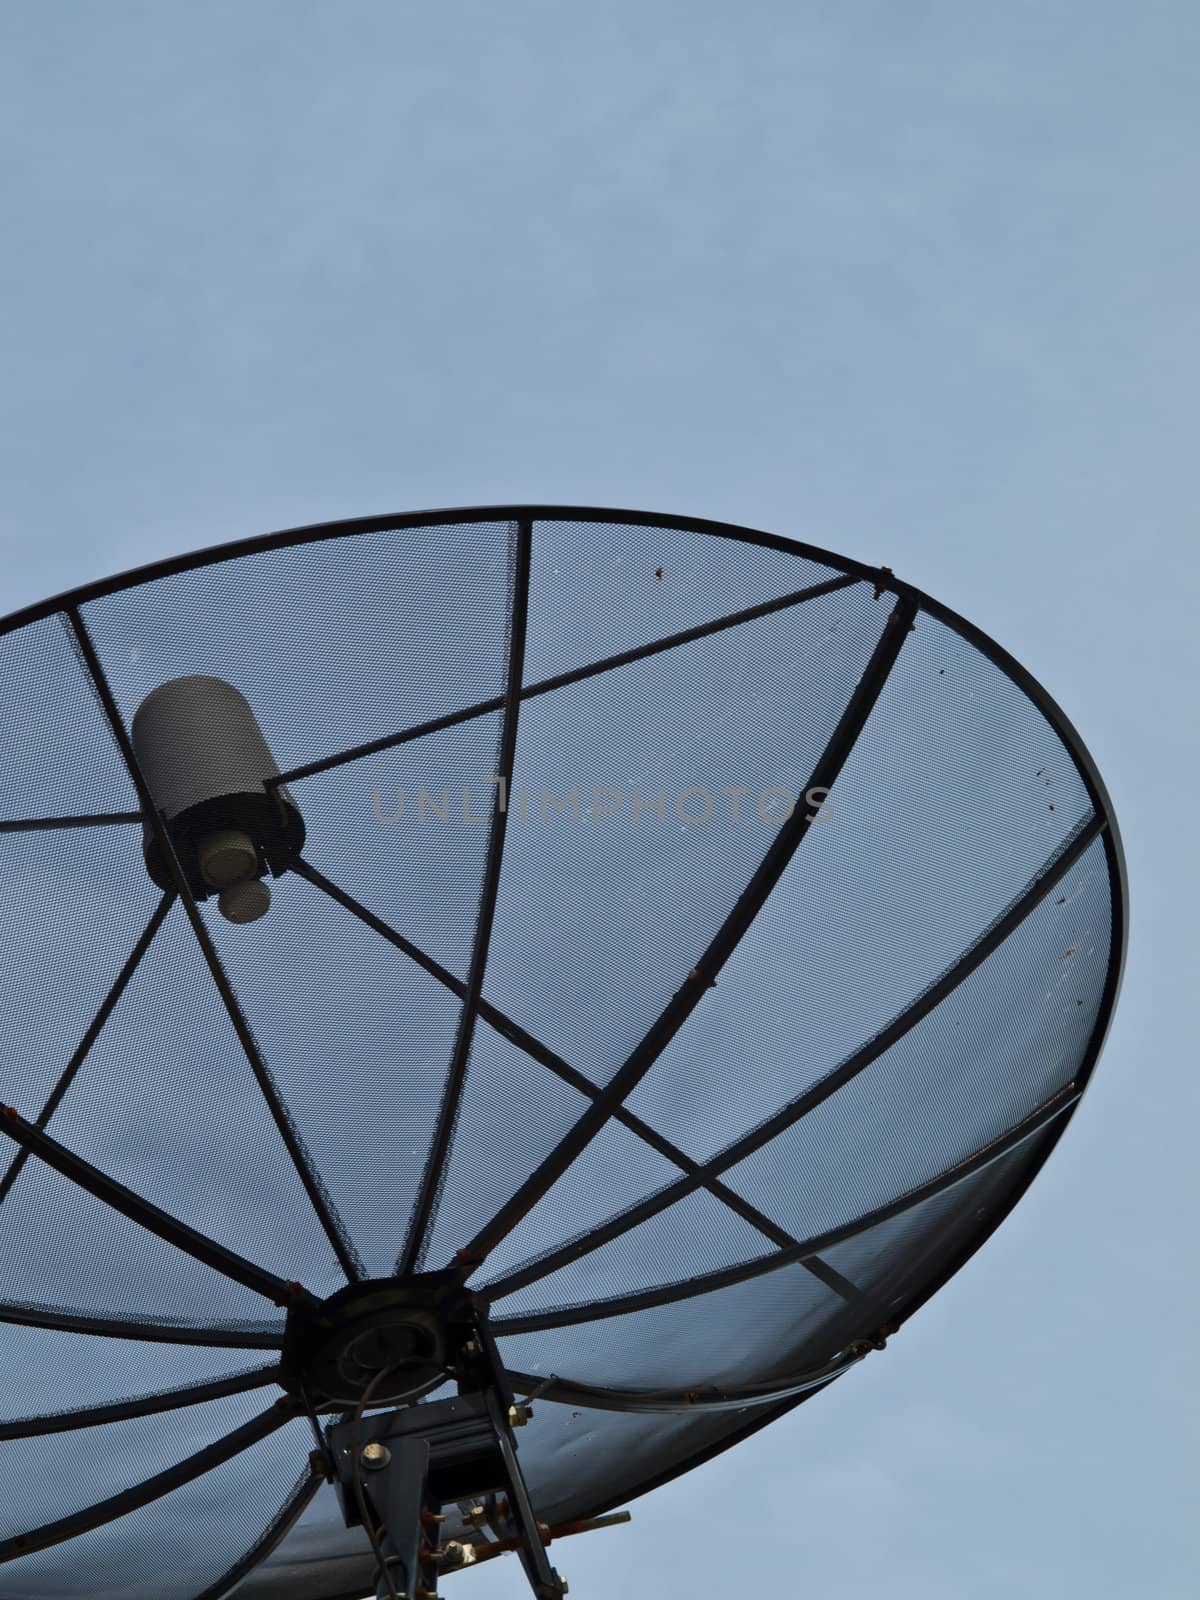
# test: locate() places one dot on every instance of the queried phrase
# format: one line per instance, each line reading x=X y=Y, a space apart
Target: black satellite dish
x=526 y=975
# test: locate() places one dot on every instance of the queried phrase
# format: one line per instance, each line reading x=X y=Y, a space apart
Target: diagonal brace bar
x=563 y=680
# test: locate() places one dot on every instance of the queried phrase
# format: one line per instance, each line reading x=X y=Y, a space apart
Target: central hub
x=389 y=1340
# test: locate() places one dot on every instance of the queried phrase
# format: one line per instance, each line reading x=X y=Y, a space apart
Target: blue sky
x=915 y=283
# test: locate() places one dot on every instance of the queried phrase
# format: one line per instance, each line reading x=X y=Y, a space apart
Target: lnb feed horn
x=208 y=768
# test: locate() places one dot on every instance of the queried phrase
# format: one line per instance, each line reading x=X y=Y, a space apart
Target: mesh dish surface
x=712 y=933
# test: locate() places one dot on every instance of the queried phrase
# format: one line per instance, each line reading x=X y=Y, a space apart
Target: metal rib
x=707 y=1283
x=146 y=1405
x=547 y=1058
x=856 y=1063
x=562 y=680
x=230 y=1337
x=92 y=1034
x=281 y=1524
x=700 y=1398
x=143 y=1494
x=144 y=1212
x=434 y=1173
x=40 y=824
x=824 y=775
x=321 y=1202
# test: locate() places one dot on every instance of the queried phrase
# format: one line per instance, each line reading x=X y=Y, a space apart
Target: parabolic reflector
x=661 y=948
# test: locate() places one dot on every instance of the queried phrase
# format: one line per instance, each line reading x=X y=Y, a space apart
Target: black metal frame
x=605 y=1103
x=432 y=1455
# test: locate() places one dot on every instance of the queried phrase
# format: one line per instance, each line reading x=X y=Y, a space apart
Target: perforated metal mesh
x=166 y=1089
x=579 y=567
x=60 y=758
x=112 y=1457
x=651 y=794
x=1007 y=1038
x=614 y=1173
x=175 y=1548
x=60 y=1247
x=60 y=1373
x=957 y=793
x=64 y=939
x=677 y=1185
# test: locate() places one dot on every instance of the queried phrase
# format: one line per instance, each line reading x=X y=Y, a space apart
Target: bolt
x=456 y=1555
x=476 y=1517
x=518 y=1416
x=375 y=1455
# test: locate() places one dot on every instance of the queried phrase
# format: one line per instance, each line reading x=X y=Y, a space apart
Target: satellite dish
x=500 y=1004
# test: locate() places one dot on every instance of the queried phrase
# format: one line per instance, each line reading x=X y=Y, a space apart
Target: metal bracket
x=412 y=1462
